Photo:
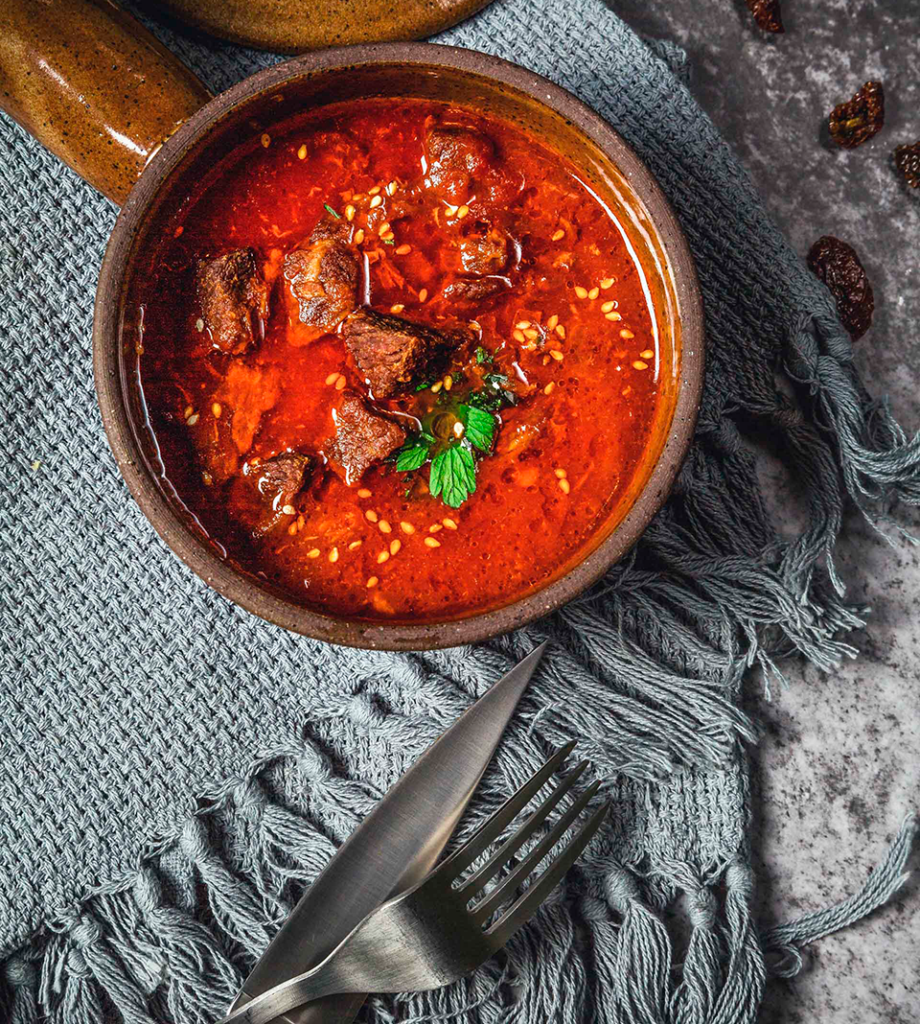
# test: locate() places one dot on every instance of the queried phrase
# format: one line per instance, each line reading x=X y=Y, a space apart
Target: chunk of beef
x=267 y=488
x=362 y=438
x=322 y=281
x=233 y=298
x=394 y=353
x=280 y=479
x=456 y=157
x=473 y=291
x=484 y=251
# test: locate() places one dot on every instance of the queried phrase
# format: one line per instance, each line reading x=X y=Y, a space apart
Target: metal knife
x=395 y=846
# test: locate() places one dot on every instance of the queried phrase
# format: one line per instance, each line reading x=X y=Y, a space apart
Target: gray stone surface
x=840 y=763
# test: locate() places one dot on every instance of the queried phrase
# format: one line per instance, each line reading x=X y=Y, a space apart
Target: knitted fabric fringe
x=170 y=941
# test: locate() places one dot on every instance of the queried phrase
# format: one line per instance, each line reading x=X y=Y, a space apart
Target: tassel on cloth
x=199 y=980
x=22 y=980
x=787 y=940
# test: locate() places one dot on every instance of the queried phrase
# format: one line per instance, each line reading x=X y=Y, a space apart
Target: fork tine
x=503 y=890
x=530 y=901
x=507 y=850
x=461 y=859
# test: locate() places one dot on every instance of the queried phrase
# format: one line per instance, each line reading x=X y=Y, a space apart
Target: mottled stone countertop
x=840 y=763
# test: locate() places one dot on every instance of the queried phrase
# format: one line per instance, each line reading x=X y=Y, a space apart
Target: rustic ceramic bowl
x=491 y=86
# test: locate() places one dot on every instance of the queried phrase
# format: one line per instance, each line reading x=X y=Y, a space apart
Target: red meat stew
x=400 y=361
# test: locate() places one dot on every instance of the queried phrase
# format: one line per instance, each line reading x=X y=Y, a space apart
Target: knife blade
x=395 y=846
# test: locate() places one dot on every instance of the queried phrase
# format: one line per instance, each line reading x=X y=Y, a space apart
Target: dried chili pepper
x=854 y=122
x=838 y=266
x=907 y=163
x=767 y=15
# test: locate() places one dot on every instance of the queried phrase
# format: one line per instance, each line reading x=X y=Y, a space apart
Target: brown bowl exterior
x=494 y=87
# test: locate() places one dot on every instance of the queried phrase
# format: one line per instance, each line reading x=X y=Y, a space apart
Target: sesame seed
x=531 y=334
x=373 y=191
x=548 y=390
x=639 y=365
x=606 y=283
x=313 y=552
x=560 y=473
x=340 y=384
x=522 y=325
x=593 y=294
x=422 y=295
x=407 y=528
x=395 y=545
x=363 y=492
x=371 y=516
x=205 y=476
x=375 y=202
x=385 y=526
x=391 y=188
x=302 y=153
x=266 y=140
x=359 y=236
x=451 y=211
x=448 y=382
x=334 y=555
x=626 y=335
x=432 y=543
x=397 y=308
x=518 y=336
x=613 y=316
x=383 y=557
x=551 y=322
x=449 y=523
x=557 y=234
x=564 y=486
x=372 y=582
x=557 y=355
x=354 y=545
x=560 y=330
x=647 y=354
x=292 y=530
x=349 y=212
x=462 y=211
x=546 y=360
x=458 y=429
x=607 y=306
x=333 y=377
x=435 y=388
x=384 y=228
x=402 y=250
x=199 y=325
x=193 y=419
x=435 y=528
x=582 y=293
x=288 y=510
x=188 y=411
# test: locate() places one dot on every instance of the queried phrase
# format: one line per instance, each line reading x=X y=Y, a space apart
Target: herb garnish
x=453 y=476
x=414 y=453
x=330 y=210
x=493 y=394
x=389 y=241
x=483 y=355
x=479 y=426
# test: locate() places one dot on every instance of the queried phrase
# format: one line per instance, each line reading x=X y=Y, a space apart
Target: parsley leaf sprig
x=453 y=475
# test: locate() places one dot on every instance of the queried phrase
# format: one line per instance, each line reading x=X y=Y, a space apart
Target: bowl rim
x=241 y=589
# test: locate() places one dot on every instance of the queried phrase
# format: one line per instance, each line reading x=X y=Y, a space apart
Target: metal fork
x=431 y=935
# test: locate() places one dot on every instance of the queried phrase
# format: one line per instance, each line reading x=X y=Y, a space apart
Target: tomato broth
x=350 y=231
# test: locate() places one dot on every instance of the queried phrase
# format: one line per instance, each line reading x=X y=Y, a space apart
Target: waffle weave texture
x=174 y=771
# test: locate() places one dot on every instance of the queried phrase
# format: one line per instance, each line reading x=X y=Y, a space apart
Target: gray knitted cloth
x=174 y=771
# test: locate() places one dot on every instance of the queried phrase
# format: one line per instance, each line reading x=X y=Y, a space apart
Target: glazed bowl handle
x=93 y=86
